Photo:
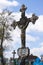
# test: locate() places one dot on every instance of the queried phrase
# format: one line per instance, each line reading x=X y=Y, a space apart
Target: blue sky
x=34 y=6
x=34 y=33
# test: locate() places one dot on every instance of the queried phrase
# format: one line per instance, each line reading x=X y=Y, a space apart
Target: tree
x=4 y=31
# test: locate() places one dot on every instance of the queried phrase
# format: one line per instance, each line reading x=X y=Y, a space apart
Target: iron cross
x=23 y=23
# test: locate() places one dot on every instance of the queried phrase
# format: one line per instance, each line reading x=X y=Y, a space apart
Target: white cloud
x=41 y=44
x=8 y=54
x=37 y=51
x=17 y=15
x=6 y=3
x=0 y=10
x=31 y=38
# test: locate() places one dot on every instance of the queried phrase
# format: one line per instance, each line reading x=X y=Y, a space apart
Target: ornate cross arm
x=33 y=18
x=19 y=24
x=27 y=22
x=14 y=24
x=24 y=26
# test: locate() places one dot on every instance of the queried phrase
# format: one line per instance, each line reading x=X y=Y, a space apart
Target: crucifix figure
x=23 y=23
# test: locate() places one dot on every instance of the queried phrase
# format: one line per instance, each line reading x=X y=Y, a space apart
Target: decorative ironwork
x=23 y=23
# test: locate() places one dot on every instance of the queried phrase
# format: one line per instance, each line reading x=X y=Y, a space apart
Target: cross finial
x=23 y=8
